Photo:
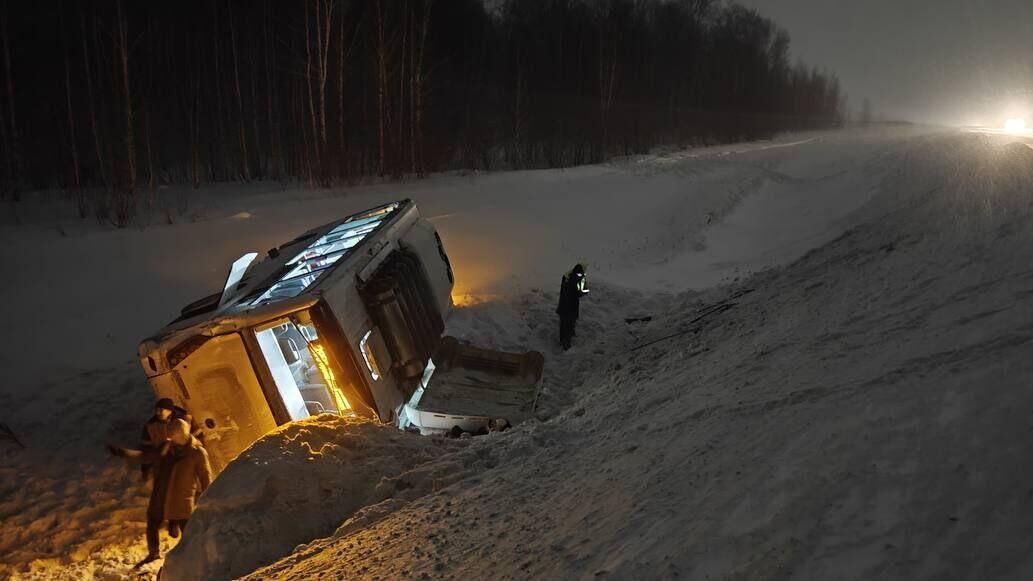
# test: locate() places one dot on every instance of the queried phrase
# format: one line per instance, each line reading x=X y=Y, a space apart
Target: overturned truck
x=348 y=319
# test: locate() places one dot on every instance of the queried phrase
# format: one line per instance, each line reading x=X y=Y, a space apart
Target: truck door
x=301 y=370
x=218 y=385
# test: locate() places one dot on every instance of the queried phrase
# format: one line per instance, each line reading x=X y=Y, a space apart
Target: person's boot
x=173 y=529
x=150 y=558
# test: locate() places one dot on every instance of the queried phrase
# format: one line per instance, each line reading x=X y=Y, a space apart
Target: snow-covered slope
x=296 y=484
x=635 y=455
x=864 y=413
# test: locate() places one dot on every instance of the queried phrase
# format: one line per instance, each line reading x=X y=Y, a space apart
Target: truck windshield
x=324 y=252
x=301 y=368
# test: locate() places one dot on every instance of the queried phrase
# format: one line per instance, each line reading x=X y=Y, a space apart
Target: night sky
x=948 y=61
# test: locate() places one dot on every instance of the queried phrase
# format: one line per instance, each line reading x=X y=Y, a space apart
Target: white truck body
x=346 y=318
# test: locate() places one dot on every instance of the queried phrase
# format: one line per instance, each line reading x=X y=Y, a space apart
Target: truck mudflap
x=467 y=386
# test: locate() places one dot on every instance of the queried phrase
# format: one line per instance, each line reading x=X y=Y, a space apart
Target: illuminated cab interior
x=300 y=367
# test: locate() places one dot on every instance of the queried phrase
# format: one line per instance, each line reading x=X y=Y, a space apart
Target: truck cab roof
x=290 y=276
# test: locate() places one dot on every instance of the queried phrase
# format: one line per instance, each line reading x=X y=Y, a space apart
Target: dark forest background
x=119 y=96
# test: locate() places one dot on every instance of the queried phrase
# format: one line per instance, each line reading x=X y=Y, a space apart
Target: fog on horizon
x=957 y=62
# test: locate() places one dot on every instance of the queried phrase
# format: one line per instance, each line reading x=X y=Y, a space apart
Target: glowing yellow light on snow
x=470 y=300
x=1015 y=125
x=319 y=354
x=462 y=300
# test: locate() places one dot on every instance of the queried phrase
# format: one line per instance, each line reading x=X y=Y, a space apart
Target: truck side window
x=301 y=368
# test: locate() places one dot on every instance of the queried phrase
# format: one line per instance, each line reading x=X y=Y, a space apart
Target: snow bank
x=294 y=485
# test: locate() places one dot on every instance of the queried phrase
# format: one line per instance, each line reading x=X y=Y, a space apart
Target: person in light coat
x=181 y=472
x=190 y=475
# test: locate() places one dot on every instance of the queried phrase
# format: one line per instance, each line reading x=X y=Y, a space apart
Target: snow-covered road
x=794 y=196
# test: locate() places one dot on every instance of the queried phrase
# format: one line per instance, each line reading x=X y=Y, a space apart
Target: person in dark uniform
x=571 y=290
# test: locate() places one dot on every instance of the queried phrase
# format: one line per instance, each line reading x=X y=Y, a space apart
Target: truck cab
x=347 y=318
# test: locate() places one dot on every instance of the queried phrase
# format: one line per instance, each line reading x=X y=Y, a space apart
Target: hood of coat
x=179 y=450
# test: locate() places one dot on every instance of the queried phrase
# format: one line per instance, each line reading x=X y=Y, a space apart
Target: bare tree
x=324 y=15
x=420 y=85
x=123 y=208
x=220 y=123
x=195 y=132
x=416 y=93
x=518 y=90
x=8 y=165
x=255 y=117
x=308 y=82
x=276 y=160
x=15 y=162
x=87 y=69
x=244 y=165
x=342 y=58
x=324 y=23
x=146 y=110
x=407 y=16
x=381 y=85
x=76 y=177
x=607 y=67
x=341 y=143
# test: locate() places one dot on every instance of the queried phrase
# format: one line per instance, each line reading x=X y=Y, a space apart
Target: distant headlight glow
x=1015 y=125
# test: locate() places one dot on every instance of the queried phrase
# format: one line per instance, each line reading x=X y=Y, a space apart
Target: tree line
x=119 y=96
